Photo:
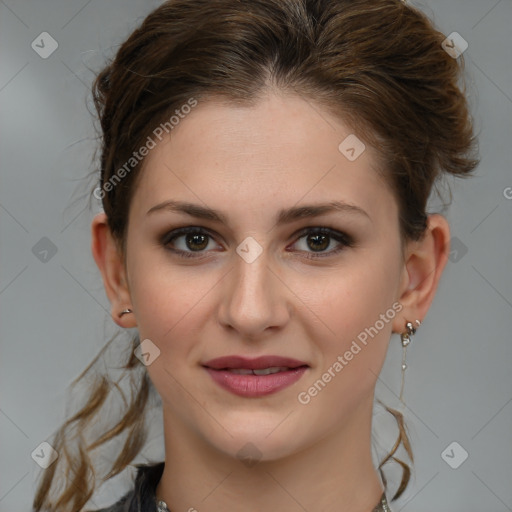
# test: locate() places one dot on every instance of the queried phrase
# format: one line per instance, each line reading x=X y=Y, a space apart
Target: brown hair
x=378 y=64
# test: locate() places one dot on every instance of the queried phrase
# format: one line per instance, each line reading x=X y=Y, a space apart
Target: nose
x=254 y=298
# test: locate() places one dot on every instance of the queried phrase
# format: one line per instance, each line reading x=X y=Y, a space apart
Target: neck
x=334 y=475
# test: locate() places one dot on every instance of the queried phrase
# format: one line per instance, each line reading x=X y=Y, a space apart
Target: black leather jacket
x=142 y=497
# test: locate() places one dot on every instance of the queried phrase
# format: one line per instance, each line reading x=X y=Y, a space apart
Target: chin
x=255 y=438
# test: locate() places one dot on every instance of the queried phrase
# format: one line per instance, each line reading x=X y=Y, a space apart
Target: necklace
x=381 y=507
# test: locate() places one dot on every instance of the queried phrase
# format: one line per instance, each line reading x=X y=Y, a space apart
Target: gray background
x=55 y=315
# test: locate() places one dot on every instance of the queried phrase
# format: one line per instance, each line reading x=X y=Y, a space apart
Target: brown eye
x=317 y=240
x=187 y=241
x=196 y=241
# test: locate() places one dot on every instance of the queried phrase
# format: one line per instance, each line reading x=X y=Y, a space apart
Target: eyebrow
x=284 y=216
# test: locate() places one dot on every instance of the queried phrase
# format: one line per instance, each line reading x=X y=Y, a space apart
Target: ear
x=425 y=260
x=109 y=259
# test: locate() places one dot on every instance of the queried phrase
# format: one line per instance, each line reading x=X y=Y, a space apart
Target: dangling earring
x=124 y=312
x=406 y=339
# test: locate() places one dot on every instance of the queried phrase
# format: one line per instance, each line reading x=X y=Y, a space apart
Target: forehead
x=282 y=150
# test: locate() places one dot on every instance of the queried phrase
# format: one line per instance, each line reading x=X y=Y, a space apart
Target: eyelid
x=172 y=235
x=184 y=230
x=341 y=237
x=332 y=232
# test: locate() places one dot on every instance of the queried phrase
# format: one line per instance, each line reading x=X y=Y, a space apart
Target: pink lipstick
x=255 y=377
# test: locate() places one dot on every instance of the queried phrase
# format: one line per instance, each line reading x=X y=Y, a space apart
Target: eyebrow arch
x=284 y=216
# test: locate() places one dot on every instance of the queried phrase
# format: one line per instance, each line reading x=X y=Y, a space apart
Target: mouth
x=274 y=363
x=255 y=377
x=262 y=371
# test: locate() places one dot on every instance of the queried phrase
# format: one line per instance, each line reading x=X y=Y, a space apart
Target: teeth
x=263 y=371
x=268 y=371
x=240 y=371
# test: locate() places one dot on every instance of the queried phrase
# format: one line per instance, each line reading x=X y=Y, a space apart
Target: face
x=264 y=276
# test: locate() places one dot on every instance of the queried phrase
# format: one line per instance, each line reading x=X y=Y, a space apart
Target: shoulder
x=141 y=498
x=123 y=505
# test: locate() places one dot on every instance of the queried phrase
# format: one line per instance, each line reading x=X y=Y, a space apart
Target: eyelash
x=342 y=238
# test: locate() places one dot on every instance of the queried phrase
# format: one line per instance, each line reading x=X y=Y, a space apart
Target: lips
x=255 y=377
x=260 y=363
x=263 y=371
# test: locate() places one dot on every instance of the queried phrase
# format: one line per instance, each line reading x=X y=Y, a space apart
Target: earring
x=124 y=312
x=406 y=339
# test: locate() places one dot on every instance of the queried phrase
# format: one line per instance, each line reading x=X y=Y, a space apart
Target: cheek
x=173 y=306
x=164 y=305
x=159 y=298
x=161 y=291
x=168 y=306
x=356 y=306
x=354 y=296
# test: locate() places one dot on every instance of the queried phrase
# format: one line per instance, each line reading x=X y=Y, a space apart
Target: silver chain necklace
x=383 y=506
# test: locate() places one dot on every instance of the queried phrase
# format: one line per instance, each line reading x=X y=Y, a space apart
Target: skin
x=249 y=163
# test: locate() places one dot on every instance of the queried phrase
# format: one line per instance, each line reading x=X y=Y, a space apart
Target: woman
x=265 y=172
